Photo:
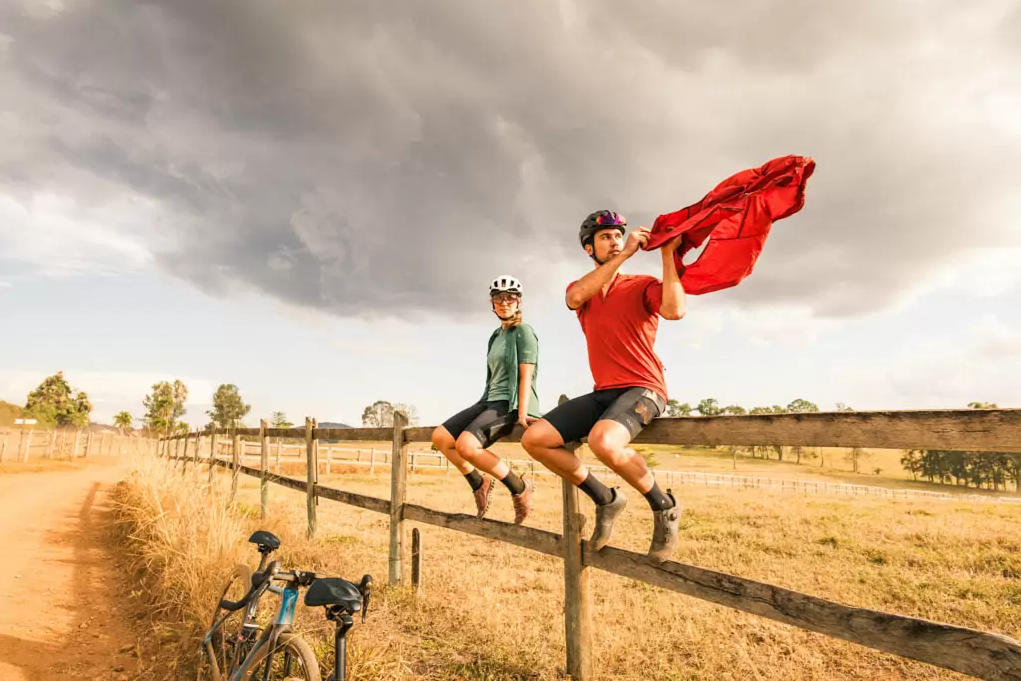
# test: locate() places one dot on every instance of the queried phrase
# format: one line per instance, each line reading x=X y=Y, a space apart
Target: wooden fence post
x=416 y=561
x=3 y=446
x=329 y=459
x=264 y=464
x=28 y=445
x=77 y=439
x=398 y=489
x=236 y=457
x=198 y=449
x=372 y=460
x=184 y=454
x=280 y=447
x=53 y=443
x=577 y=602
x=312 y=472
x=212 y=454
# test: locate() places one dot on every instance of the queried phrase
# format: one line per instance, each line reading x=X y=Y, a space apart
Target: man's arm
x=674 y=303
x=589 y=285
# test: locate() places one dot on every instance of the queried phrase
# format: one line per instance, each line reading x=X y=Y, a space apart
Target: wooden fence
x=977 y=653
x=367 y=455
x=19 y=445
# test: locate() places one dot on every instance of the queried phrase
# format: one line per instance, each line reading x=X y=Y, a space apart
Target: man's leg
x=544 y=441
x=610 y=441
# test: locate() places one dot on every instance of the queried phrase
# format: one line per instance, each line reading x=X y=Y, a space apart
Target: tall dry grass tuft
x=183 y=537
x=493 y=612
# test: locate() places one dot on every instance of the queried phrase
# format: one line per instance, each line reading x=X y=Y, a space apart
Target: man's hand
x=635 y=240
x=673 y=244
x=526 y=421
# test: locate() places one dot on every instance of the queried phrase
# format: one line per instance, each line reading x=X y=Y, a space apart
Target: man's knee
x=609 y=442
x=468 y=446
x=540 y=436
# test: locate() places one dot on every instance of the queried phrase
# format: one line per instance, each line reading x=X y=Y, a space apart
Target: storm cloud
x=369 y=158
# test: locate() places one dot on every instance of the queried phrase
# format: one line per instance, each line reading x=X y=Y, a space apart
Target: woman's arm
x=525 y=393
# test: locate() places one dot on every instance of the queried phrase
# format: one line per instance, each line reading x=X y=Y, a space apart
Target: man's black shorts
x=633 y=408
x=487 y=421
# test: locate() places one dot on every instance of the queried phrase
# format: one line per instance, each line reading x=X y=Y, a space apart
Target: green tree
x=279 y=420
x=54 y=403
x=709 y=407
x=675 y=408
x=123 y=421
x=164 y=406
x=734 y=410
x=379 y=414
x=228 y=407
x=983 y=405
x=800 y=406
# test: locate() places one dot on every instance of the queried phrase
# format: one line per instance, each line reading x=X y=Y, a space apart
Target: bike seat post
x=344 y=623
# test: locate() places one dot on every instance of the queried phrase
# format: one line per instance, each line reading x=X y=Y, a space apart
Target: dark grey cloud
x=387 y=158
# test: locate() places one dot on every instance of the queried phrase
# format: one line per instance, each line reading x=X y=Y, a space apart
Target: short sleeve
x=528 y=345
x=578 y=310
x=653 y=294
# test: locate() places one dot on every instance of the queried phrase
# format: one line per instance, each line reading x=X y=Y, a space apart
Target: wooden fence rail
x=969 y=651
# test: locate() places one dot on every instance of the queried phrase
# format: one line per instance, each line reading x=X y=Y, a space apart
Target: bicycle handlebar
x=302 y=578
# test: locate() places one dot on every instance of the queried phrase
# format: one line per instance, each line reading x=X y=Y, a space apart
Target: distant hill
x=333 y=424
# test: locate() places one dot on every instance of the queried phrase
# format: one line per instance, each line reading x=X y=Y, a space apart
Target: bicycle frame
x=282 y=623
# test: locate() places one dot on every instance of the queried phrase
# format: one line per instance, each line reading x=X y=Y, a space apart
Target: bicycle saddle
x=266 y=541
x=334 y=591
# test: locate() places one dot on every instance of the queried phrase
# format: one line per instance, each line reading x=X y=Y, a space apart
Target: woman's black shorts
x=487 y=421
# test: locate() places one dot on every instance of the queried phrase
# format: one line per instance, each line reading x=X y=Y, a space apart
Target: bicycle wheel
x=291 y=660
x=229 y=642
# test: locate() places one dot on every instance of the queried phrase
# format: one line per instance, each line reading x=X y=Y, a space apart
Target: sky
x=309 y=199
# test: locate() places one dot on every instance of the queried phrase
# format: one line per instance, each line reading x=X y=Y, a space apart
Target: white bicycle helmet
x=505 y=283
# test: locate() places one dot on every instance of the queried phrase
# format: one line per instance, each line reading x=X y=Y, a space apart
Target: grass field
x=491 y=611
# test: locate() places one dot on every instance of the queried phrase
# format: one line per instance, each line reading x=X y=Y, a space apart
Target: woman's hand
x=526 y=421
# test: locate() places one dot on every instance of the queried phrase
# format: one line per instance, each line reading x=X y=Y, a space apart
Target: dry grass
x=492 y=612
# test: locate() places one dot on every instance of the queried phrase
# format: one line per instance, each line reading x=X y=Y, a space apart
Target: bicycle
x=253 y=652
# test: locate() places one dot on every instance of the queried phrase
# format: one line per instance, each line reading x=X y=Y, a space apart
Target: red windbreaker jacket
x=735 y=217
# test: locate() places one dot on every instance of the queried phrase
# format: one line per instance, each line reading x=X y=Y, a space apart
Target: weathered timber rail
x=981 y=654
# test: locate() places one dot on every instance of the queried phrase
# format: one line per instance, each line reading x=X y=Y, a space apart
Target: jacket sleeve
x=528 y=345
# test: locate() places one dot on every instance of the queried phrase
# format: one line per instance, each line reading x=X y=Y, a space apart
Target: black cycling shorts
x=633 y=408
x=487 y=421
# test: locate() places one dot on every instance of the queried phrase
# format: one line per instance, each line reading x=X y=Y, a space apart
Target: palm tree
x=123 y=421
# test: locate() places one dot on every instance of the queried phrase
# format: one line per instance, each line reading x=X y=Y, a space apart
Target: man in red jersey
x=619 y=314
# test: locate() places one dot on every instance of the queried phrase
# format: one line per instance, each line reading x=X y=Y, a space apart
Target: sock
x=597 y=491
x=474 y=479
x=657 y=499
x=515 y=484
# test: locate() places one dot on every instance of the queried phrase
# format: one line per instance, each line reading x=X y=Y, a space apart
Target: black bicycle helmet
x=598 y=221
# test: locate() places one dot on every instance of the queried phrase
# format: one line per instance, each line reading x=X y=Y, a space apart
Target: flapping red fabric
x=736 y=218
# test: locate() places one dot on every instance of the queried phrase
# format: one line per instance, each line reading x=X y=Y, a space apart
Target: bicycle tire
x=288 y=645
x=240 y=580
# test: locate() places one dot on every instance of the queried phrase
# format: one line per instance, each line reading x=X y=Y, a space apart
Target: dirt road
x=62 y=615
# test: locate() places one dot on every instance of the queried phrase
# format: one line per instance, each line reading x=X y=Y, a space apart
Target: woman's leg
x=473 y=444
x=445 y=444
x=443 y=438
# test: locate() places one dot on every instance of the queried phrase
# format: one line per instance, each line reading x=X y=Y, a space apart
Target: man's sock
x=597 y=491
x=474 y=479
x=657 y=499
x=514 y=483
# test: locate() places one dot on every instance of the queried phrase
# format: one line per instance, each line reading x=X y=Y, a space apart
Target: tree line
x=55 y=403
